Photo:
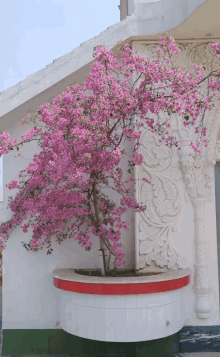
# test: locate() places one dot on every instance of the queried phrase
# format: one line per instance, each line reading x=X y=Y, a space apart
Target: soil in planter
x=125 y=273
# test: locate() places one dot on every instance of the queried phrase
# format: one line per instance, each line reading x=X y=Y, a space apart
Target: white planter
x=115 y=309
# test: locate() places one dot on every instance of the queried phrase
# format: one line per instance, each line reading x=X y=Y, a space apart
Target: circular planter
x=121 y=309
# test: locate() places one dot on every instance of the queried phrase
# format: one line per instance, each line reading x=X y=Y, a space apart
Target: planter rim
x=122 y=286
x=70 y=275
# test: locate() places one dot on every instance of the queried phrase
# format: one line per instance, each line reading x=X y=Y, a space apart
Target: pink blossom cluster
x=81 y=147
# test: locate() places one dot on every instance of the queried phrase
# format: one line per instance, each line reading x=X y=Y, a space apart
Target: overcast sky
x=35 y=32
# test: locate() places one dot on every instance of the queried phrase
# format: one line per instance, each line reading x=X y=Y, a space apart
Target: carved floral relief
x=162 y=167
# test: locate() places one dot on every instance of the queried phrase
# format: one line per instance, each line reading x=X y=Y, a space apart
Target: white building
x=179 y=230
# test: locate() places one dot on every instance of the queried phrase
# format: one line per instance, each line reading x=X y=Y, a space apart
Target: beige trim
x=123 y=9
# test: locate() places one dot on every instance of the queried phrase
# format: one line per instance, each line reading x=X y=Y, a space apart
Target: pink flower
x=81 y=150
x=13 y=184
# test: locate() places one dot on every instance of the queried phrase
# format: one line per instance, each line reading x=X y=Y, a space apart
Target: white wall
x=132 y=2
x=30 y=301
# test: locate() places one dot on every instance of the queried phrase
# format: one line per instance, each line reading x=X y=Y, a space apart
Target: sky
x=35 y=32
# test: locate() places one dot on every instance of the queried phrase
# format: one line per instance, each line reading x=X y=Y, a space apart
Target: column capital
x=198 y=177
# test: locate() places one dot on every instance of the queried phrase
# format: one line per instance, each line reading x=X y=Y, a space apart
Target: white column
x=198 y=176
x=202 y=286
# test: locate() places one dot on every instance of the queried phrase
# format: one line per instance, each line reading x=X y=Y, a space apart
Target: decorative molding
x=190 y=52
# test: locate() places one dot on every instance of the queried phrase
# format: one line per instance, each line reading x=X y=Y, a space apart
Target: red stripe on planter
x=121 y=289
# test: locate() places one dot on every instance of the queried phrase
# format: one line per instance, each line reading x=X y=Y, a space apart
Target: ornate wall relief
x=163 y=203
x=162 y=166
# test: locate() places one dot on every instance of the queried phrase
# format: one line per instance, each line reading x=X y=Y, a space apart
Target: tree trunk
x=102 y=254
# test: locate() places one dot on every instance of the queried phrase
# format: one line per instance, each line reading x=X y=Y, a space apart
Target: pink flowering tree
x=60 y=192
